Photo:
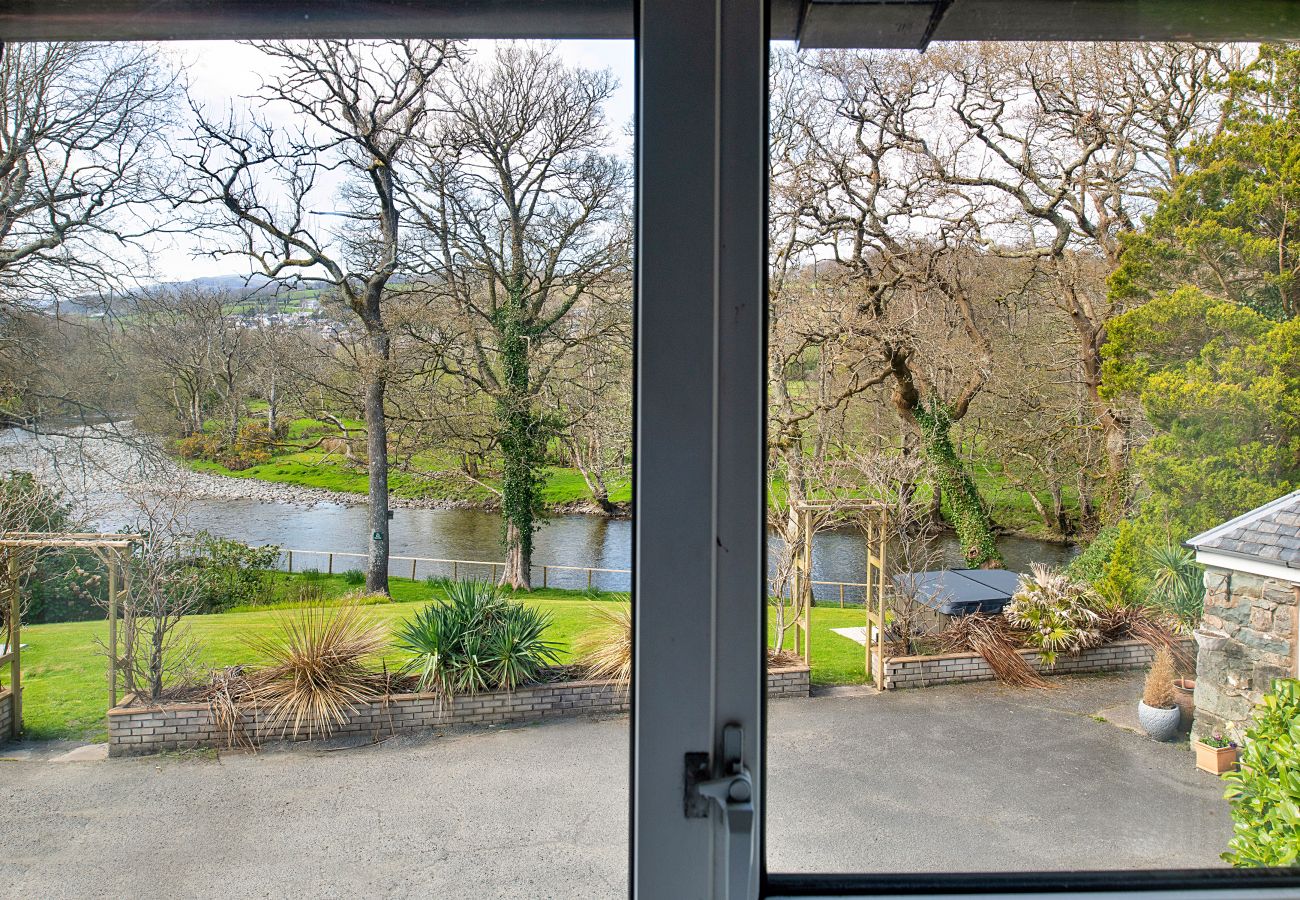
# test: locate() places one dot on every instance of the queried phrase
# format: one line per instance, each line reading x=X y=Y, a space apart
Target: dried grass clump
x=605 y=651
x=224 y=692
x=992 y=638
x=1158 y=692
x=316 y=670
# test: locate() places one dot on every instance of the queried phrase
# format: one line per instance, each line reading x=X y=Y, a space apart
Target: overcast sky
x=222 y=72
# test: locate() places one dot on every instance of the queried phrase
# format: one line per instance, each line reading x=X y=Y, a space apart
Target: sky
x=224 y=72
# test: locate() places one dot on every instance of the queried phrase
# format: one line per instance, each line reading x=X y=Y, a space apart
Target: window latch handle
x=733 y=793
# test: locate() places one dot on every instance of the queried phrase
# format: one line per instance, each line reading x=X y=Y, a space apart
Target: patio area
x=950 y=778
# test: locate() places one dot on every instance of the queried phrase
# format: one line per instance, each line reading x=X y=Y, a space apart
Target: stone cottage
x=1248 y=636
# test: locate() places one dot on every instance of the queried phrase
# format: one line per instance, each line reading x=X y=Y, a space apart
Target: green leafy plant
x=231 y=573
x=353 y=577
x=311 y=574
x=477 y=640
x=1056 y=613
x=316 y=668
x=1178 y=587
x=1264 y=792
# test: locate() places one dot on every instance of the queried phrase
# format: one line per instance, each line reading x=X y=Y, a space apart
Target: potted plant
x=1185 y=697
x=1216 y=754
x=1157 y=711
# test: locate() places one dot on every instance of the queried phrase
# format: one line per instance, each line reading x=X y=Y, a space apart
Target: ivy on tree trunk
x=966 y=512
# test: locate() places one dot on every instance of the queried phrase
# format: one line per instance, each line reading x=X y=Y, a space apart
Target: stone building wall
x=1248 y=638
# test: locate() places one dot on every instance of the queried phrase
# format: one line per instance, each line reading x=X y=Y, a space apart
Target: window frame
x=699 y=412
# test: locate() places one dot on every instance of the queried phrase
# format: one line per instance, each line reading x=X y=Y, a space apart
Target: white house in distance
x=1248 y=636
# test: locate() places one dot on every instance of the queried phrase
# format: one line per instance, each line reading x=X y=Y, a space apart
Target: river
x=471 y=534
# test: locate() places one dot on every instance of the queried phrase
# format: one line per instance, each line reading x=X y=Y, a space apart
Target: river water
x=470 y=534
x=570 y=540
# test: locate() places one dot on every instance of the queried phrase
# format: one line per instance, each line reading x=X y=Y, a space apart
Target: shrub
x=606 y=649
x=316 y=668
x=1123 y=580
x=231 y=573
x=1158 y=692
x=353 y=577
x=1089 y=565
x=199 y=446
x=1265 y=791
x=312 y=574
x=477 y=640
x=1056 y=613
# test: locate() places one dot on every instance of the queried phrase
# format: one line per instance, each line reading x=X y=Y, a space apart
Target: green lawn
x=64 y=672
x=426 y=476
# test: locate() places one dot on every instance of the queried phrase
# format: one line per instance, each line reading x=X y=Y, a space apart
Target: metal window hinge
x=731 y=790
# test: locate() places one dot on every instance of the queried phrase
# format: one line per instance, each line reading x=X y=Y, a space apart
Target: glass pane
x=1029 y=345
x=315 y=404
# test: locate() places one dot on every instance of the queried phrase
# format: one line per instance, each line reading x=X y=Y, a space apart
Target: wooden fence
x=413 y=567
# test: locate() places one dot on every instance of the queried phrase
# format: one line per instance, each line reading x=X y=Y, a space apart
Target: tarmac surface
x=957 y=778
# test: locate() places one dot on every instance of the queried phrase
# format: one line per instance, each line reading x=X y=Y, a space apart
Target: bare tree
x=901 y=244
x=1064 y=147
x=362 y=105
x=82 y=127
x=524 y=229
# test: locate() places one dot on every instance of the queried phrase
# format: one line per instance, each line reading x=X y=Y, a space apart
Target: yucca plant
x=477 y=640
x=1056 y=613
x=315 y=668
x=1178 y=587
x=606 y=650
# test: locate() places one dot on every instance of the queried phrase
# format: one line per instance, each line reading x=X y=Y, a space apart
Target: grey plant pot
x=1160 y=724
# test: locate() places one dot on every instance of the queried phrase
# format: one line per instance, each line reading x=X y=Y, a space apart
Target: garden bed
x=141 y=729
x=951 y=668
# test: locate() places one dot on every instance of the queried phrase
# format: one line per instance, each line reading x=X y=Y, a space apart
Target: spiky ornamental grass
x=477 y=640
x=606 y=650
x=315 y=669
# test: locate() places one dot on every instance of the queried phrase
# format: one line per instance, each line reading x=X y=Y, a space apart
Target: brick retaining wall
x=6 y=714
x=137 y=730
x=951 y=668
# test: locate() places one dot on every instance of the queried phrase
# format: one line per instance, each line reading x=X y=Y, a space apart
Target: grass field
x=65 y=687
x=425 y=477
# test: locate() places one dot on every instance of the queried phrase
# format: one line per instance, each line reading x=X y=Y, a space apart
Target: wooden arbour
x=876 y=515
x=109 y=549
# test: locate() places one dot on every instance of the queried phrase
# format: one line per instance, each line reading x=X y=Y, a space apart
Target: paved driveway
x=967 y=777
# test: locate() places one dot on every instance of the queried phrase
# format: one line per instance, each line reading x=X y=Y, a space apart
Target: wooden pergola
x=811 y=514
x=109 y=549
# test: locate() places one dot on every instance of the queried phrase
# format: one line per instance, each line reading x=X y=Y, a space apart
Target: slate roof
x=1270 y=533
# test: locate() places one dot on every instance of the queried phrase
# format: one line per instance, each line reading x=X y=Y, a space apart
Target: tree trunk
x=377 y=462
x=520 y=452
x=518 y=572
x=969 y=515
x=271 y=401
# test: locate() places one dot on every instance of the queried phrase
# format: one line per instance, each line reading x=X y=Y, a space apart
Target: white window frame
x=700 y=380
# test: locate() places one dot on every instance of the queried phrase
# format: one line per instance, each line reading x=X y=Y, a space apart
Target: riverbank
x=92 y=463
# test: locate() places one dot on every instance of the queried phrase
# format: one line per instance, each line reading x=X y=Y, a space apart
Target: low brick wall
x=136 y=730
x=951 y=668
x=6 y=714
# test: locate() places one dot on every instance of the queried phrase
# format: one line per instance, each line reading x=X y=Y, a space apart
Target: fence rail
x=398 y=565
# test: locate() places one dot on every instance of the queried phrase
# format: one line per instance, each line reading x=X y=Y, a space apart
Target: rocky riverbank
x=96 y=464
